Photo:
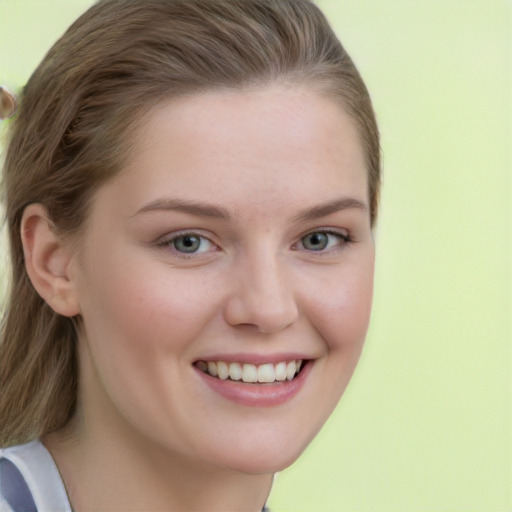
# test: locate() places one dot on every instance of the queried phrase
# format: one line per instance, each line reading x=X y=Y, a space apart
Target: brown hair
x=116 y=62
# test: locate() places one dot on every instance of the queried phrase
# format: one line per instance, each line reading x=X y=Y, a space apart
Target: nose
x=262 y=297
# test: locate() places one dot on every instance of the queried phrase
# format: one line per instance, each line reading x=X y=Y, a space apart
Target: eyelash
x=342 y=239
x=168 y=242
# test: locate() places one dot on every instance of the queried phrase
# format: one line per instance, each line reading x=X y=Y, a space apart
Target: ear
x=47 y=261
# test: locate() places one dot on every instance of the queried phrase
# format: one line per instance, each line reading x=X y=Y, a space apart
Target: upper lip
x=255 y=358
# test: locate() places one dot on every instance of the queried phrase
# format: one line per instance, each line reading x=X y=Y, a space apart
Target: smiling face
x=235 y=246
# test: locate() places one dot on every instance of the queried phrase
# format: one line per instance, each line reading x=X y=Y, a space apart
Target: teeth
x=251 y=373
x=222 y=370
x=280 y=371
x=235 y=371
x=266 y=373
x=212 y=368
x=291 y=368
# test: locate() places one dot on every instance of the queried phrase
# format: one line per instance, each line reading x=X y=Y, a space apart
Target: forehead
x=246 y=149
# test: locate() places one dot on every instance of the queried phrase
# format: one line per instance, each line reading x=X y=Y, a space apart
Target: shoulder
x=30 y=480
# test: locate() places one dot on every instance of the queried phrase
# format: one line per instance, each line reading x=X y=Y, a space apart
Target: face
x=234 y=247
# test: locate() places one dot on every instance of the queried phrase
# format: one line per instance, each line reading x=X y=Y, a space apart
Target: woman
x=191 y=188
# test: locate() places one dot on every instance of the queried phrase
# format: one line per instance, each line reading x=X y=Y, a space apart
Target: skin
x=148 y=433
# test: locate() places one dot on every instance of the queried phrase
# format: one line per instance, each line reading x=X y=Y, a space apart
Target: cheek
x=342 y=305
x=339 y=313
x=140 y=323
x=138 y=306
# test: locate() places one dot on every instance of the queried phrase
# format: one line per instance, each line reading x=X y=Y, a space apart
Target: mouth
x=250 y=373
x=256 y=383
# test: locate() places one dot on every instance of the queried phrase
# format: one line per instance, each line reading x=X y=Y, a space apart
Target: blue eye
x=188 y=243
x=322 y=240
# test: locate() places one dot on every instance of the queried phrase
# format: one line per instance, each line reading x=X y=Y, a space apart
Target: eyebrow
x=200 y=209
x=330 y=207
x=183 y=205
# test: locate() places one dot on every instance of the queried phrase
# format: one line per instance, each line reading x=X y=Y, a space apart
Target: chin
x=267 y=456
x=263 y=467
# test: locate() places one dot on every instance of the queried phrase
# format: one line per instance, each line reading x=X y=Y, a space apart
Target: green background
x=426 y=424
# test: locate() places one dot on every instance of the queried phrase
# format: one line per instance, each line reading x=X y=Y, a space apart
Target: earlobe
x=47 y=261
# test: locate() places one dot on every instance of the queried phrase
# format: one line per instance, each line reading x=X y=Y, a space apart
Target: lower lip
x=257 y=395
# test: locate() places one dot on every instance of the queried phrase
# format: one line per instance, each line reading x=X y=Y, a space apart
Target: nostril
x=248 y=326
x=266 y=314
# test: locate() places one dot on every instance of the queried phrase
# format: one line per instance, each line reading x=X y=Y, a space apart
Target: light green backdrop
x=426 y=424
